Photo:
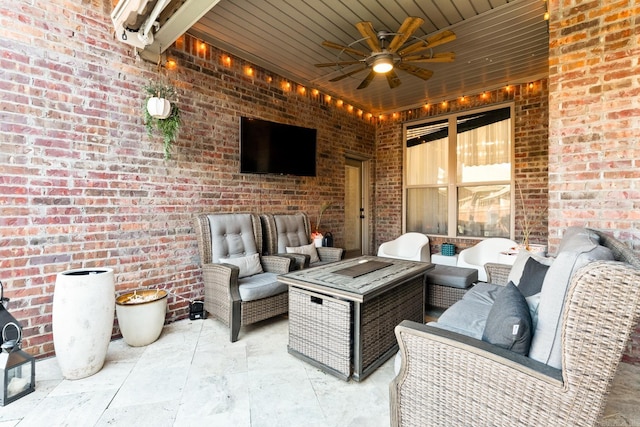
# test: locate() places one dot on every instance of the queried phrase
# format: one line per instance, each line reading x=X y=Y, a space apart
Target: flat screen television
x=277 y=148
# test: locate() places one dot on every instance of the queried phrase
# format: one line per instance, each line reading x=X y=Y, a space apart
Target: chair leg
x=236 y=319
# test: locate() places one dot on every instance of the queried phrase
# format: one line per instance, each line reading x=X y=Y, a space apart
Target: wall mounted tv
x=269 y=147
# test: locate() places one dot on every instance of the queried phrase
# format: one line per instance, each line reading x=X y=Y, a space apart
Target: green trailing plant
x=168 y=127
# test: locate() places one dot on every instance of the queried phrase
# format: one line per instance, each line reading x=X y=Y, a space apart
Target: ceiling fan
x=391 y=51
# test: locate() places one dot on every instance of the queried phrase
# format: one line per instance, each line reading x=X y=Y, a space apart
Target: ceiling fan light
x=382 y=65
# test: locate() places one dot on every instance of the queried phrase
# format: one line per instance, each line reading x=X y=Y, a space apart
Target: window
x=458 y=174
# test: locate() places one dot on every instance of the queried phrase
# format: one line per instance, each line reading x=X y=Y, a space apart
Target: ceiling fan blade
x=351 y=50
x=367 y=80
x=337 y=64
x=393 y=79
x=441 y=38
x=416 y=71
x=436 y=57
x=345 y=75
x=366 y=29
x=432 y=41
x=406 y=30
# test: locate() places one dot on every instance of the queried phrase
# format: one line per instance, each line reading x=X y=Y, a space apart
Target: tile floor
x=194 y=376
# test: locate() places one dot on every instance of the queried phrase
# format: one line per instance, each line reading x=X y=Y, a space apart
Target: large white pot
x=141 y=316
x=82 y=320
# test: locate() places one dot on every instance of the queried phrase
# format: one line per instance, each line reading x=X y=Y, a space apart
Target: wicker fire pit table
x=342 y=315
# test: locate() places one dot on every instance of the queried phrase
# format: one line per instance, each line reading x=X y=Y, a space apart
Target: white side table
x=444 y=259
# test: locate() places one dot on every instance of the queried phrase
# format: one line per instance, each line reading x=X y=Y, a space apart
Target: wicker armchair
x=230 y=236
x=290 y=230
x=449 y=379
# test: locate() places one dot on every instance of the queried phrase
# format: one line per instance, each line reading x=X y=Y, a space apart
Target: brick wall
x=530 y=166
x=594 y=122
x=82 y=185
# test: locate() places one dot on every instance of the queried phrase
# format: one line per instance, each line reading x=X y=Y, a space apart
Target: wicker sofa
x=448 y=378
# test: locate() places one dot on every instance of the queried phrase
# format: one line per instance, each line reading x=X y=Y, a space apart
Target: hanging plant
x=161 y=113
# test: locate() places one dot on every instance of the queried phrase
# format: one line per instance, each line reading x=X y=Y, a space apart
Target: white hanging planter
x=159 y=108
x=141 y=316
x=82 y=320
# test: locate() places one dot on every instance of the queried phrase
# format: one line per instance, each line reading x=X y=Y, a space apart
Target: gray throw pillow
x=509 y=322
x=532 y=277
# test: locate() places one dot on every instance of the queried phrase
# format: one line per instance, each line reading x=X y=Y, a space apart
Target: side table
x=444 y=259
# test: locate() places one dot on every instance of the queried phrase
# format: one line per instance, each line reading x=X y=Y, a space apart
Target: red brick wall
x=594 y=122
x=82 y=185
x=530 y=166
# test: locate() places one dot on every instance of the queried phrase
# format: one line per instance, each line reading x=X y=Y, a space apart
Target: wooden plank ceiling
x=498 y=42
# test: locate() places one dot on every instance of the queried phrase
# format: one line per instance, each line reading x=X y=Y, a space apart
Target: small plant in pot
x=162 y=113
x=317 y=235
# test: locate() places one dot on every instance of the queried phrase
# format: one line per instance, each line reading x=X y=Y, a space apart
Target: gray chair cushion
x=455 y=277
x=578 y=248
x=231 y=236
x=469 y=315
x=509 y=322
x=290 y=232
x=260 y=286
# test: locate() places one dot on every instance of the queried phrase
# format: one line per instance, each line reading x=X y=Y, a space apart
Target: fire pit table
x=342 y=315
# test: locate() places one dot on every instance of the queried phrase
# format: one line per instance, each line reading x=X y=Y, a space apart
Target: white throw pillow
x=248 y=265
x=309 y=249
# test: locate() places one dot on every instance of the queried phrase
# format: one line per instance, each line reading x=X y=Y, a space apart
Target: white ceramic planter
x=141 y=316
x=159 y=108
x=82 y=320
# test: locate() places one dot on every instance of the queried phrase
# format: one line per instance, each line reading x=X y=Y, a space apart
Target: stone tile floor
x=194 y=376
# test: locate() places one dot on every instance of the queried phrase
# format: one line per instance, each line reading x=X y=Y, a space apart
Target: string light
x=546 y=11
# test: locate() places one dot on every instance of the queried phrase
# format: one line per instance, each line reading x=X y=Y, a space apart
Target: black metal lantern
x=18 y=368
